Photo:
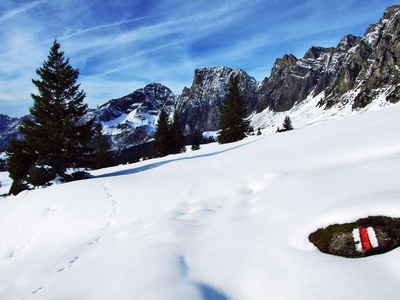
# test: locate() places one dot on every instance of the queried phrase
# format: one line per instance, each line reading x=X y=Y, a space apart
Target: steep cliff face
x=356 y=71
x=198 y=106
x=370 y=69
x=293 y=80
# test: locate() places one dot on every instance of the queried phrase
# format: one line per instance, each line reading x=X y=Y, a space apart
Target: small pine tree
x=233 y=121
x=176 y=136
x=196 y=141
x=287 y=124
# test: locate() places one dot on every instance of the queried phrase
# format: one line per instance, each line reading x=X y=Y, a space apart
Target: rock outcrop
x=198 y=106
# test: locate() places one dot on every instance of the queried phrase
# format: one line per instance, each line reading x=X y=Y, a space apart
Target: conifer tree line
x=57 y=135
x=168 y=138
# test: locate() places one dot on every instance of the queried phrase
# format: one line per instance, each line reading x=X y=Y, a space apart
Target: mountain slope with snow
x=225 y=222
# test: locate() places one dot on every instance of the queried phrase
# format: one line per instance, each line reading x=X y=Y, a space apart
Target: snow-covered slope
x=225 y=222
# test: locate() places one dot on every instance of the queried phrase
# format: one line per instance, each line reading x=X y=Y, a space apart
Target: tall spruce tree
x=233 y=121
x=176 y=136
x=162 y=141
x=57 y=136
x=168 y=138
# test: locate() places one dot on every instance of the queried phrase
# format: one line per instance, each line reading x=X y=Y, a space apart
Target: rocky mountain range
x=8 y=127
x=352 y=76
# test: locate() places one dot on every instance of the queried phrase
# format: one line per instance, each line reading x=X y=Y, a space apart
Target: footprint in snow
x=37 y=291
x=95 y=241
x=70 y=264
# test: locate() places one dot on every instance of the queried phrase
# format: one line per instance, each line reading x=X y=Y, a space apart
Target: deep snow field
x=225 y=222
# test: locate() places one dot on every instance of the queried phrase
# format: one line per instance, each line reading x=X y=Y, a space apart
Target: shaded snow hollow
x=225 y=222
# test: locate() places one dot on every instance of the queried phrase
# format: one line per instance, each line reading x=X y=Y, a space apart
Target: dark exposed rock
x=371 y=65
x=340 y=239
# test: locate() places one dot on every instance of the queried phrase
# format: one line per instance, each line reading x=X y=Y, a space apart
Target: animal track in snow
x=114 y=204
x=50 y=210
x=95 y=241
x=70 y=264
x=37 y=290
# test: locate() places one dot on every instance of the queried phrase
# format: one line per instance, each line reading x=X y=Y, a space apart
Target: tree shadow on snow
x=159 y=164
x=209 y=293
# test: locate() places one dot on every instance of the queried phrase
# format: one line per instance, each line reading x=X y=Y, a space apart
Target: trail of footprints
x=187 y=212
x=96 y=240
x=70 y=264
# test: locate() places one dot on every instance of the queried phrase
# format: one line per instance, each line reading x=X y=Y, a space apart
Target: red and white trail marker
x=365 y=238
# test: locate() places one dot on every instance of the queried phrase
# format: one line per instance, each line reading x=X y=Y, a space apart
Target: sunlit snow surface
x=225 y=222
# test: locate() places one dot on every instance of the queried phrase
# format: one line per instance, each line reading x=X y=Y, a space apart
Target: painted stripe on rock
x=357 y=239
x=372 y=237
x=364 y=237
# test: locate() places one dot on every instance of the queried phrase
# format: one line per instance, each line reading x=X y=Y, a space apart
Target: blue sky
x=121 y=45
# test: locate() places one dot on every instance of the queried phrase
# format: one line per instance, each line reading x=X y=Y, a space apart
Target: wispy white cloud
x=19 y=10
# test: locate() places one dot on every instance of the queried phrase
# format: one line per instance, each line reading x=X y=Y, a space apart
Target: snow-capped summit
x=131 y=120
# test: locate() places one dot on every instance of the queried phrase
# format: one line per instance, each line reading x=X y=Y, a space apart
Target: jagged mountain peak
x=348 y=42
x=198 y=107
x=217 y=74
x=391 y=12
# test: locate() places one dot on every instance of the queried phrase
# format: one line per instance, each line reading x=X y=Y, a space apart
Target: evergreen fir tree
x=287 y=124
x=196 y=141
x=20 y=159
x=162 y=139
x=57 y=136
x=176 y=136
x=233 y=121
